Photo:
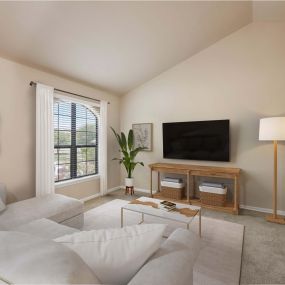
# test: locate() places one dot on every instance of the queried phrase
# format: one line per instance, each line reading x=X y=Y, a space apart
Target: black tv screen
x=199 y=140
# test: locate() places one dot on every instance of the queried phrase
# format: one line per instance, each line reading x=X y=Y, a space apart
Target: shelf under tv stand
x=202 y=171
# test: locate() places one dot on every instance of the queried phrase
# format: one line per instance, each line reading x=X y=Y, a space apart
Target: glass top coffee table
x=149 y=206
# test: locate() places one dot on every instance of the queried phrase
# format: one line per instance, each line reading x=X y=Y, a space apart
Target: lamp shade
x=272 y=129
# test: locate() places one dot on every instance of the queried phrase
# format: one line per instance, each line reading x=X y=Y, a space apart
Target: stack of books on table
x=167 y=206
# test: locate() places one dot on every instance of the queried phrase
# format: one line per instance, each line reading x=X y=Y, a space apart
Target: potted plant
x=129 y=153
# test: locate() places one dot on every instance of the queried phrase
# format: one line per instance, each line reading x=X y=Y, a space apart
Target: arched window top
x=75 y=140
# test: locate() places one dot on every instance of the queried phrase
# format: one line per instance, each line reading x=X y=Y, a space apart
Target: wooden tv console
x=203 y=171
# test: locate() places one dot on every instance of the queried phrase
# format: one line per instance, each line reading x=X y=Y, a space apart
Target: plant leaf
x=118 y=138
x=124 y=141
x=131 y=139
x=134 y=152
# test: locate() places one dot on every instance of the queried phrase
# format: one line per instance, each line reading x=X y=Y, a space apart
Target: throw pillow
x=115 y=255
x=26 y=259
x=173 y=263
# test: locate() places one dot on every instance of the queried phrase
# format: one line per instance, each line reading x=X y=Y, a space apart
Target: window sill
x=75 y=181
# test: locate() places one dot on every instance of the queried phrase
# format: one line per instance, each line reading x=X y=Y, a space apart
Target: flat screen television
x=198 y=140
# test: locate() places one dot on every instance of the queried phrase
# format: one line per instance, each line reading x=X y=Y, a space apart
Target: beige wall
x=240 y=78
x=17 y=129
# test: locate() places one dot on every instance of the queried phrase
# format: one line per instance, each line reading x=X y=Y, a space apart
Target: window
x=75 y=141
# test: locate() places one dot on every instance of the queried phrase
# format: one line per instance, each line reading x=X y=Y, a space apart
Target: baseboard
x=262 y=210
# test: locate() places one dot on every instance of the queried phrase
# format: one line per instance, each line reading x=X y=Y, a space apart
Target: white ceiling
x=114 y=45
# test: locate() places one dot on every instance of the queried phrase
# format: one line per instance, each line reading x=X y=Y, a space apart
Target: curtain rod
x=67 y=92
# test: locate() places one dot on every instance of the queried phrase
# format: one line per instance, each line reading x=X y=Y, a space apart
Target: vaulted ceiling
x=114 y=45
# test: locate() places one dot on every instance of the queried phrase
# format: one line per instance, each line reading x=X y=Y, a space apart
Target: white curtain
x=103 y=147
x=44 y=140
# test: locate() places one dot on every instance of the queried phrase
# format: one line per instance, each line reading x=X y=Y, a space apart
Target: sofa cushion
x=53 y=206
x=27 y=259
x=115 y=255
x=46 y=229
x=173 y=262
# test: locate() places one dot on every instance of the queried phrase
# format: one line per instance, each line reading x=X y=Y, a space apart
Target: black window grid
x=73 y=147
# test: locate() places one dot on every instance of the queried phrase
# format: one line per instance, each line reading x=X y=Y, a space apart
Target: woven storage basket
x=172 y=193
x=213 y=199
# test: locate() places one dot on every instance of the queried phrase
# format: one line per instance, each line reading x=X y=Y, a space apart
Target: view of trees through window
x=75 y=141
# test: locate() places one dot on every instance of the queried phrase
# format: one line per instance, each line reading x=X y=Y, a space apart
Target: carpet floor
x=220 y=255
x=263 y=258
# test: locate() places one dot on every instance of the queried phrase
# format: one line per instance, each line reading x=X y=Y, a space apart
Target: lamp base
x=277 y=219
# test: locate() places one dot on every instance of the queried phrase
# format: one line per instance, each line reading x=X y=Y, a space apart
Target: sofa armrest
x=3 y=193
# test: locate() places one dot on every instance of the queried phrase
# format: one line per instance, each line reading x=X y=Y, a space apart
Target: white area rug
x=220 y=257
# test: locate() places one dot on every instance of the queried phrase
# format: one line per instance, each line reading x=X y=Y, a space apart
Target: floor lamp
x=273 y=129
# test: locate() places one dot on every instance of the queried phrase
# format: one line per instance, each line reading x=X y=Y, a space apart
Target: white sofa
x=171 y=264
x=59 y=208
x=50 y=217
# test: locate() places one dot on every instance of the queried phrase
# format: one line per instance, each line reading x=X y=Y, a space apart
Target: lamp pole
x=274 y=218
x=273 y=129
x=275 y=182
